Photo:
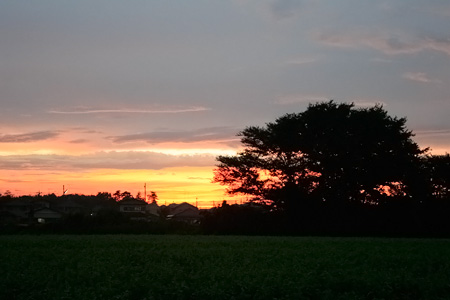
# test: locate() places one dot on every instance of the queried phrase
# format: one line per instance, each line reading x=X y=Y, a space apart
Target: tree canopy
x=437 y=168
x=332 y=152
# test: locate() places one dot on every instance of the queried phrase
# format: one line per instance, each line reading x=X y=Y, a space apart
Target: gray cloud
x=104 y=160
x=225 y=134
x=28 y=137
x=79 y=141
x=85 y=130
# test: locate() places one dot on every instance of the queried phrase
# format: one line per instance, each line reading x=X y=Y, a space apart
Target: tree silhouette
x=438 y=167
x=119 y=196
x=153 y=197
x=332 y=152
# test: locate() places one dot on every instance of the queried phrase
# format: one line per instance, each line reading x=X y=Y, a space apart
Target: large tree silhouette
x=332 y=152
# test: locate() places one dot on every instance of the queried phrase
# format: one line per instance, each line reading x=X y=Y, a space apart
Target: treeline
x=398 y=217
x=104 y=213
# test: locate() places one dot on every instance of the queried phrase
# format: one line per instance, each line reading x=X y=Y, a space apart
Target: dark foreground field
x=222 y=267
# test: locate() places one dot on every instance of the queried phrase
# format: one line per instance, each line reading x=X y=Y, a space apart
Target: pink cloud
x=132 y=111
x=417 y=76
x=391 y=44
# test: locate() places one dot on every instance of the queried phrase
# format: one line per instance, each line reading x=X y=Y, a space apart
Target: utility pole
x=145 y=192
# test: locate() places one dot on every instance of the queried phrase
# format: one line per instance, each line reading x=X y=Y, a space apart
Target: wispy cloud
x=441 y=45
x=433 y=132
x=368 y=103
x=28 y=137
x=78 y=141
x=417 y=76
x=85 y=130
x=223 y=134
x=387 y=43
x=131 y=111
x=104 y=160
x=13 y=180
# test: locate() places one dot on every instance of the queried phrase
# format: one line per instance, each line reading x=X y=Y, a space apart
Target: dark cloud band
x=28 y=137
x=129 y=160
x=214 y=134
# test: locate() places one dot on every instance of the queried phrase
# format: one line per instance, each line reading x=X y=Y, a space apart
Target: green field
x=222 y=267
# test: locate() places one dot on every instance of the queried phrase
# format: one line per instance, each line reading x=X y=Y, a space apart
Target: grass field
x=222 y=267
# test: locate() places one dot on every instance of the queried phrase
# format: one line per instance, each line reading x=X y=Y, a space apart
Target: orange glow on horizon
x=172 y=185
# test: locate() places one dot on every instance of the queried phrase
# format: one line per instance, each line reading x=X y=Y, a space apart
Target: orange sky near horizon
x=172 y=185
x=181 y=173
x=177 y=172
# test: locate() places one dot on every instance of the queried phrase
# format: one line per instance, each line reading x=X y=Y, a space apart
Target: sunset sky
x=105 y=95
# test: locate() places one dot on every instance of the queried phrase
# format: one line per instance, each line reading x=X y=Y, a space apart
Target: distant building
x=152 y=210
x=68 y=206
x=132 y=205
x=46 y=215
x=183 y=212
x=134 y=209
x=31 y=210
